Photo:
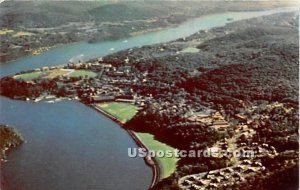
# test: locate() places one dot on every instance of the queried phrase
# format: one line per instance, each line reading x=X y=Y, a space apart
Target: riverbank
x=152 y=162
x=53 y=57
x=94 y=23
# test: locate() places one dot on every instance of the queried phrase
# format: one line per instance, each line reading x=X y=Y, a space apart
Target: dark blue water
x=69 y=145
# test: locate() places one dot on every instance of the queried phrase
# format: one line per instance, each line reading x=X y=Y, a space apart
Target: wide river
x=69 y=145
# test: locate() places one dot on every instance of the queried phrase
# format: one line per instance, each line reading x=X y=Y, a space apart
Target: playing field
x=167 y=165
x=123 y=111
x=82 y=73
x=57 y=72
x=29 y=76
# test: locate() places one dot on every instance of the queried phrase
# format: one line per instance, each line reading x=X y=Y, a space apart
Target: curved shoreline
x=151 y=162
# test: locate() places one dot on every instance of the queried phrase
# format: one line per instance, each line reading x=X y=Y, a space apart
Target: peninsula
x=9 y=139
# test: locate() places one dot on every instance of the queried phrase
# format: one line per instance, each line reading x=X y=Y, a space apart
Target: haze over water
x=63 y=54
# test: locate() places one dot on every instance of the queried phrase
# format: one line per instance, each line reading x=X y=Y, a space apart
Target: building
x=125 y=98
x=103 y=98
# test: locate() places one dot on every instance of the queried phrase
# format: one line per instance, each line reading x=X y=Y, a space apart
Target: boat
x=37 y=99
x=229 y=19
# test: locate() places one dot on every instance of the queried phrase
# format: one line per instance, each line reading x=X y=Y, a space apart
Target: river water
x=69 y=145
x=63 y=54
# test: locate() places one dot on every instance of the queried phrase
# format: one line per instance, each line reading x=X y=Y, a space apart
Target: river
x=69 y=145
x=63 y=54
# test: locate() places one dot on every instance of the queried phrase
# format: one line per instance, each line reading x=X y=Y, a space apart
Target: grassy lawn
x=168 y=165
x=54 y=73
x=57 y=72
x=82 y=73
x=123 y=111
x=29 y=76
x=190 y=50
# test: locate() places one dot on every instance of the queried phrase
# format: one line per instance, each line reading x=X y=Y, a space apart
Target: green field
x=190 y=50
x=29 y=76
x=55 y=73
x=82 y=73
x=123 y=111
x=168 y=165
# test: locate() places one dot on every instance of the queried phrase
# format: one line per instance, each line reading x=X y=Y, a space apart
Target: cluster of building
x=124 y=83
x=212 y=118
x=243 y=168
x=222 y=178
x=243 y=165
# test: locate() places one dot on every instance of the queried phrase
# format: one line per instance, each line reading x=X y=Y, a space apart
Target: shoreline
x=10 y=139
x=151 y=162
x=137 y=33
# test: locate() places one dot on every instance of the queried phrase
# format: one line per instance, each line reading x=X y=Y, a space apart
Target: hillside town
x=196 y=95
